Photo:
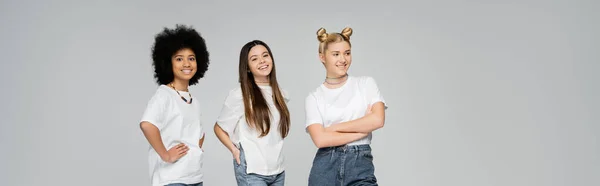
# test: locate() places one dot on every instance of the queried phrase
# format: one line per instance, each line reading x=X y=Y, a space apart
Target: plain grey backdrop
x=479 y=92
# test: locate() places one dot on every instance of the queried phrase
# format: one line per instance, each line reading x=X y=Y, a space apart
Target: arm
x=226 y=141
x=201 y=142
x=323 y=138
x=368 y=123
x=152 y=134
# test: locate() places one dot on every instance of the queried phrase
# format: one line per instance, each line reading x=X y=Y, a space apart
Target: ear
x=322 y=58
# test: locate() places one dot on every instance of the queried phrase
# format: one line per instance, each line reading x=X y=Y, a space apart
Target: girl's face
x=337 y=59
x=184 y=64
x=260 y=62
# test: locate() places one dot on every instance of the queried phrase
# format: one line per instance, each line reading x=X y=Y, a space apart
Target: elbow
x=320 y=145
x=379 y=122
x=319 y=142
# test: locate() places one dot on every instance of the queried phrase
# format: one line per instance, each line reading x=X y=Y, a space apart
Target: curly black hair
x=168 y=42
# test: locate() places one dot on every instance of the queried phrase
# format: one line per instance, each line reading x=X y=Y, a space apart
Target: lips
x=264 y=67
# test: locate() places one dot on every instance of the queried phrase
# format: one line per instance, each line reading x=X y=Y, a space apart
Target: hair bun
x=347 y=32
x=321 y=34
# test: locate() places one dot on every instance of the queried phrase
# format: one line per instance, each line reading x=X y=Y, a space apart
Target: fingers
x=182 y=149
x=236 y=156
x=181 y=154
x=180 y=146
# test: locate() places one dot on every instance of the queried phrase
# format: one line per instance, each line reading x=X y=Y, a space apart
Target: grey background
x=480 y=92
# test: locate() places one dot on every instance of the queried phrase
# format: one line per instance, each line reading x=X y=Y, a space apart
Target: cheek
x=330 y=65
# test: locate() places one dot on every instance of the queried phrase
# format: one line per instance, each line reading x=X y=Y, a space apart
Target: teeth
x=263 y=67
x=187 y=71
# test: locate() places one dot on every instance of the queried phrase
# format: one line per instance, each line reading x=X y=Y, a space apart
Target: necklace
x=345 y=75
x=191 y=99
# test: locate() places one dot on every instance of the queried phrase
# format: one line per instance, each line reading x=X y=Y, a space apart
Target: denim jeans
x=342 y=166
x=245 y=179
x=181 y=184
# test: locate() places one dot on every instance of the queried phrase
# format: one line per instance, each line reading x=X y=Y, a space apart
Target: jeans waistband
x=348 y=148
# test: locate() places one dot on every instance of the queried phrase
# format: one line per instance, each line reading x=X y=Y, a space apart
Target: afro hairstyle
x=168 y=42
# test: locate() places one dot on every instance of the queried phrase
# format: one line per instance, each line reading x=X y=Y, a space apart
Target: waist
x=347 y=148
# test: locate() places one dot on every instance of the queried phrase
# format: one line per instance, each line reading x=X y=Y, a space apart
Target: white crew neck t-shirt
x=178 y=122
x=264 y=155
x=349 y=102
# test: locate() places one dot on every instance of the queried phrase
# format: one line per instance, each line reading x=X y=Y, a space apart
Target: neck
x=262 y=80
x=336 y=79
x=179 y=85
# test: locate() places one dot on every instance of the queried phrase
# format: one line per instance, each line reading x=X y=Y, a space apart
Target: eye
x=347 y=53
x=253 y=59
x=266 y=55
x=178 y=59
x=192 y=59
x=336 y=54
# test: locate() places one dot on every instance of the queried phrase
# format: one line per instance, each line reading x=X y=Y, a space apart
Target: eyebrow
x=183 y=56
x=257 y=55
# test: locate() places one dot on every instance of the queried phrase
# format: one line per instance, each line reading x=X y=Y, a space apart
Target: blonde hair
x=327 y=38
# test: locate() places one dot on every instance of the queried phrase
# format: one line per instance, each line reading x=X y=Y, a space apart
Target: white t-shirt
x=178 y=122
x=264 y=155
x=349 y=102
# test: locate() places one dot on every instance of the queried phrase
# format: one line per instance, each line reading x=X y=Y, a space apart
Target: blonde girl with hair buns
x=341 y=113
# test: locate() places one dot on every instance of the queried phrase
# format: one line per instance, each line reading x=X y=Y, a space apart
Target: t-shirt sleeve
x=372 y=92
x=155 y=108
x=311 y=108
x=231 y=112
x=286 y=96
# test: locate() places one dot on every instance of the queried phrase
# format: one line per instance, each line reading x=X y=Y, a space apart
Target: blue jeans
x=182 y=184
x=342 y=166
x=245 y=179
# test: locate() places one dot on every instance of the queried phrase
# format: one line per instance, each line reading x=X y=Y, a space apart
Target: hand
x=364 y=134
x=175 y=153
x=236 y=154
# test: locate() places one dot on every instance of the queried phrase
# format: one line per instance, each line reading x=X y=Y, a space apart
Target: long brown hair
x=256 y=109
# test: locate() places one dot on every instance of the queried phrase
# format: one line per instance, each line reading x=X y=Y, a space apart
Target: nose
x=186 y=63
x=343 y=60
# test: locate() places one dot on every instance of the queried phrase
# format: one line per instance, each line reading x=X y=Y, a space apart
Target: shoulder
x=312 y=95
x=162 y=93
x=235 y=92
x=234 y=97
x=364 y=79
x=161 y=98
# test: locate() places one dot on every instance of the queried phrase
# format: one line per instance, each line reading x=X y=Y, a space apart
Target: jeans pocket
x=367 y=155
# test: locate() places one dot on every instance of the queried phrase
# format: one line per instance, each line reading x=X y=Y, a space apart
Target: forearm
x=322 y=138
x=373 y=120
x=332 y=139
x=152 y=134
x=224 y=137
x=366 y=124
